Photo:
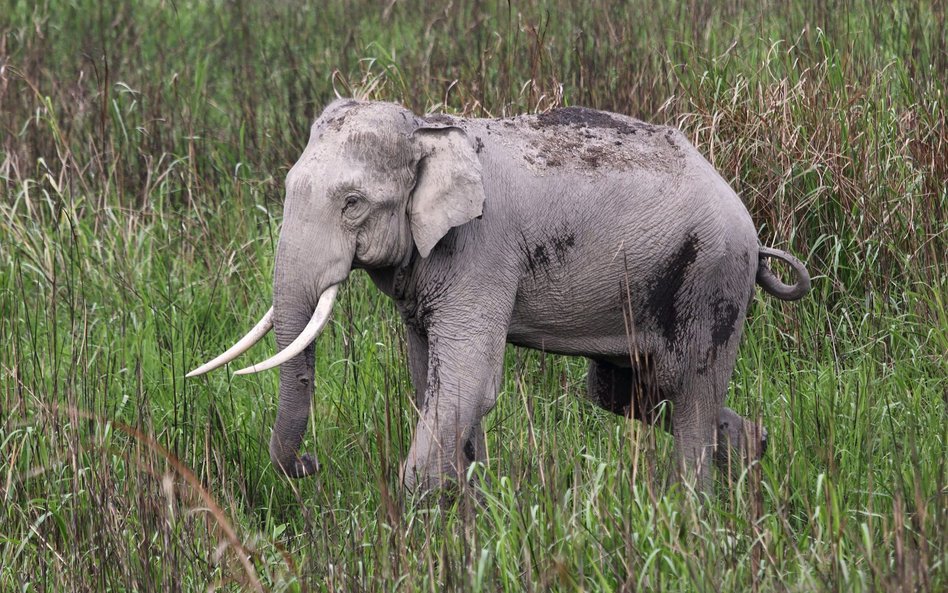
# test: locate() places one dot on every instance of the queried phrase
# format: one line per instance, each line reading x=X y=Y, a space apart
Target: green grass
x=141 y=169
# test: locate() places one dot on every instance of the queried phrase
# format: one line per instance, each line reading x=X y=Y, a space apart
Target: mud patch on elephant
x=592 y=156
x=421 y=320
x=439 y=119
x=724 y=318
x=664 y=301
x=562 y=245
x=540 y=258
x=542 y=255
x=707 y=360
x=587 y=140
x=433 y=383
x=339 y=114
x=584 y=117
x=723 y=322
x=534 y=256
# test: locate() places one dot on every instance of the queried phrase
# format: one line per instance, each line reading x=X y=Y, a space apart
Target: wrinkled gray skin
x=576 y=232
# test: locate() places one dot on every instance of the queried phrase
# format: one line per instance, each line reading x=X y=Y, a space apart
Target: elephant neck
x=391 y=280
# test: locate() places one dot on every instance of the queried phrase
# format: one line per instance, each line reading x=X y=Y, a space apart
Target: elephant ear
x=449 y=190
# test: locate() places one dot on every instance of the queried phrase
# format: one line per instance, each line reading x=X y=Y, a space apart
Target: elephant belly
x=576 y=329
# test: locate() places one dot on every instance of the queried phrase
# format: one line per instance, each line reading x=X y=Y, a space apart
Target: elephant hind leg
x=627 y=391
x=740 y=441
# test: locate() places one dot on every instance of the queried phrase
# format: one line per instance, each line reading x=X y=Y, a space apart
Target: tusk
x=253 y=336
x=306 y=337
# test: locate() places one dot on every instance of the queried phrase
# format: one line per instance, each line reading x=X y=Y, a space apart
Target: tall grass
x=142 y=158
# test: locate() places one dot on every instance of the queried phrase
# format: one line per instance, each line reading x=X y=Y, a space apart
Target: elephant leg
x=610 y=387
x=699 y=418
x=739 y=441
x=475 y=448
x=705 y=359
x=628 y=391
x=417 y=363
x=693 y=426
x=462 y=386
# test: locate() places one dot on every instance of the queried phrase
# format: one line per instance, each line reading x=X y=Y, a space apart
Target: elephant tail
x=772 y=284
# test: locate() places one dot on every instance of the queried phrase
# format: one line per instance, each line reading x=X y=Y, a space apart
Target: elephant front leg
x=464 y=374
x=417 y=363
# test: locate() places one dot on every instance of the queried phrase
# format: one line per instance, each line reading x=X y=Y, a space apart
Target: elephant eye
x=351 y=200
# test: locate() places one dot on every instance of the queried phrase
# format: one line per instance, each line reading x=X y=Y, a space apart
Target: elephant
x=575 y=231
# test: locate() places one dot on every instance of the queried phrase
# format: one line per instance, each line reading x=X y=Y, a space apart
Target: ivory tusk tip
x=252 y=337
x=199 y=371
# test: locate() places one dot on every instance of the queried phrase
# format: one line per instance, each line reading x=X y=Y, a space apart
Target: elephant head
x=374 y=184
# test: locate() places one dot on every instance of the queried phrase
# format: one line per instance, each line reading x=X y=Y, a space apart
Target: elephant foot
x=427 y=490
x=740 y=441
x=445 y=491
x=422 y=480
x=301 y=467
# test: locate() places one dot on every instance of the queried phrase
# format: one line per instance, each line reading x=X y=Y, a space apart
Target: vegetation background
x=143 y=148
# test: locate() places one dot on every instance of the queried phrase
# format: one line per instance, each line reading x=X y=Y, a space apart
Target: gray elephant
x=577 y=232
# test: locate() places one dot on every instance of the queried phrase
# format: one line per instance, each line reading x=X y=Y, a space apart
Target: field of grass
x=143 y=148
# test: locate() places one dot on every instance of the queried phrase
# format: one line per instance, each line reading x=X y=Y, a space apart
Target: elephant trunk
x=308 y=269
x=296 y=394
x=298 y=318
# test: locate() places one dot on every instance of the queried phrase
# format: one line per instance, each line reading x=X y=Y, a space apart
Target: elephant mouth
x=312 y=330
